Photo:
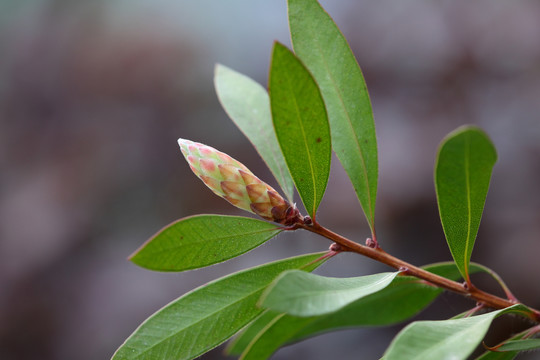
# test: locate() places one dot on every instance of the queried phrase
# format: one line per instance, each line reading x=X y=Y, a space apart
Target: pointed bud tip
x=234 y=182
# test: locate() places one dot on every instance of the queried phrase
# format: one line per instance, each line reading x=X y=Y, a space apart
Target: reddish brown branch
x=376 y=253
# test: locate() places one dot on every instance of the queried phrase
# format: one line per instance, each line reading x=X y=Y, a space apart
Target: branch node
x=307 y=220
x=403 y=269
x=335 y=247
x=290 y=227
x=374 y=252
x=371 y=243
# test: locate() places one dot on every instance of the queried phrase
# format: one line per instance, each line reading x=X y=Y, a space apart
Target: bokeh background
x=94 y=94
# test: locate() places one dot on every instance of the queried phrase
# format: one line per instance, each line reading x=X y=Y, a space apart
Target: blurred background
x=94 y=94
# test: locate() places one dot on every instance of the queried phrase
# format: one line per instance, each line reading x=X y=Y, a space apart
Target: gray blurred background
x=94 y=94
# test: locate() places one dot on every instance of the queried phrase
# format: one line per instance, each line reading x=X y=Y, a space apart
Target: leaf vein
x=469 y=210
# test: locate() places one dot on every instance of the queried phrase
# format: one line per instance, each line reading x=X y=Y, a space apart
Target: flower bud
x=234 y=182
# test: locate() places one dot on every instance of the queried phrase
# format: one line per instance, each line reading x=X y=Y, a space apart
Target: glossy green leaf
x=520 y=345
x=462 y=175
x=508 y=355
x=446 y=339
x=402 y=299
x=277 y=333
x=491 y=355
x=397 y=302
x=301 y=294
x=320 y=45
x=208 y=315
x=248 y=105
x=197 y=241
x=241 y=340
x=301 y=125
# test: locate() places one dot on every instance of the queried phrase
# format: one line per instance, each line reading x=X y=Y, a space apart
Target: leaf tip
x=279 y=47
x=132 y=257
x=219 y=69
x=136 y=257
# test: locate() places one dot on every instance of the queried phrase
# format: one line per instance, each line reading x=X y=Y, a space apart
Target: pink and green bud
x=234 y=182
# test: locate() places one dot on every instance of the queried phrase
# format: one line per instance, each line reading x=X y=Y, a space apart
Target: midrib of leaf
x=349 y=122
x=221 y=238
x=468 y=190
x=199 y=321
x=307 y=148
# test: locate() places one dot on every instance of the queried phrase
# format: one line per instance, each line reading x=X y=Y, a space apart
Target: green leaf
x=301 y=125
x=399 y=301
x=324 y=50
x=277 y=333
x=403 y=298
x=491 y=355
x=446 y=339
x=462 y=175
x=248 y=105
x=509 y=355
x=301 y=294
x=208 y=315
x=197 y=241
x=520 y=345
x=244 y=337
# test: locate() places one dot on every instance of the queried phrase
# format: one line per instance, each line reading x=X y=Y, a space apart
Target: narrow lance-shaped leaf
x=301 y=125
x=277 y=333
x=400 y=300
x=241 y=340
x=248 y=105
x=491 y=355
x=301 y=294
x=324 y=50
x=207 y=316
x=455 y=339
x=507 y=355
x=520 y=345
x=462 y=175
x=202 y=240
x=231 y=180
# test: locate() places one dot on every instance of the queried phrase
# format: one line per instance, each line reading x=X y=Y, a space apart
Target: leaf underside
x=446 y=339
x=301 y=294
x=207 y=316
x=248 y=105
x=403 y=298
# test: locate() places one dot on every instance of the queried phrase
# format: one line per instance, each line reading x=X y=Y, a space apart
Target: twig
x=376 y=253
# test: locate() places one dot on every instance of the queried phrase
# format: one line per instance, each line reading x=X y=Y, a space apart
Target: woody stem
x=380 y=255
